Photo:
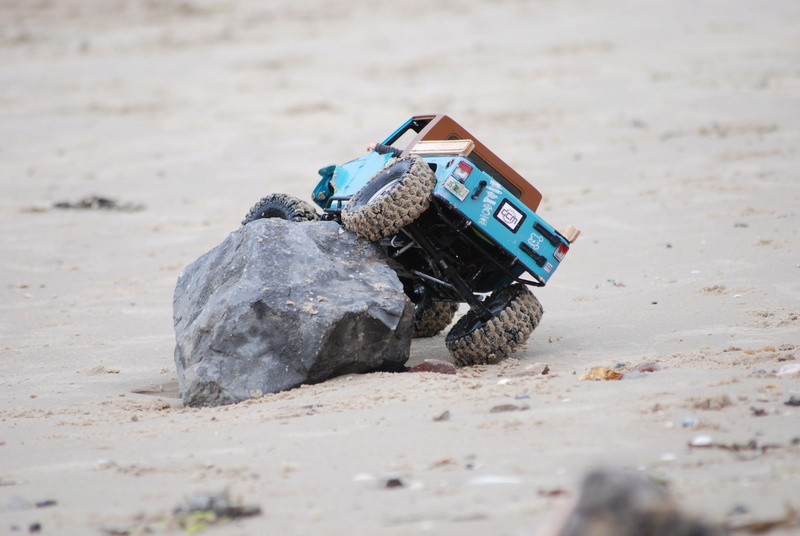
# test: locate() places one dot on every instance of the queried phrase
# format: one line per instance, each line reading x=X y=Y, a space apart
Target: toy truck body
x=458 y=225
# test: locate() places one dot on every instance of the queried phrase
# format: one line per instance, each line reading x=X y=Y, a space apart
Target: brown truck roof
x=442 y=127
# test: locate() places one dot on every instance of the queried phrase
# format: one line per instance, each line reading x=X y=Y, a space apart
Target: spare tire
x=396 y=196
x=515 y=314
x=283 y=206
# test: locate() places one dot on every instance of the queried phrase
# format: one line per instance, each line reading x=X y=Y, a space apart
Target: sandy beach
x=668 y=132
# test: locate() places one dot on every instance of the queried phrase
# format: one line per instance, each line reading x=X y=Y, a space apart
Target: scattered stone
x=503 y=408
x=434 y=365
x=735 y=448
x=234 y=338
x=445 y=462
x=647 y=366
x=794 y=400
x=688 y=422
x=94 y=202
x=701 y=441
x=444 y=416
x=391 y=481
x=553 y=492
x=768 y=348
x=789 y=370
x=715 y=403
x=601 y=373
x=739 y=509
x=204 y=509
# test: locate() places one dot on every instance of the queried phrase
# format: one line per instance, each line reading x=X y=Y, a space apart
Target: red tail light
x=561 y=251
x=462 y=171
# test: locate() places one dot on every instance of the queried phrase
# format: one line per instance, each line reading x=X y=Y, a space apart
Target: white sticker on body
x=509 y=216
x=535 y=240
x=486 y=213
x=456 y=188
x=494 y=186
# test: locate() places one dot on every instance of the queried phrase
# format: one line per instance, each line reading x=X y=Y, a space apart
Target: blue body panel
x=499 y=216
x=347 y=179
x=496 y=214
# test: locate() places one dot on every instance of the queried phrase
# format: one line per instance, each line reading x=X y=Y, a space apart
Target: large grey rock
x=278 y=304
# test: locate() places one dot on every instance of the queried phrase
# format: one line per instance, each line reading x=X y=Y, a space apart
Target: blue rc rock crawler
x=458 y=225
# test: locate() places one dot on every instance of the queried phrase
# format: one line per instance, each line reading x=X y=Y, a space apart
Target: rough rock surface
x=278 y=304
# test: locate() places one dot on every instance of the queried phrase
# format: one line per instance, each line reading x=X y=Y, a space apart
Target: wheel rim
x=274 y=213
x=383 y=190
x=495 y=309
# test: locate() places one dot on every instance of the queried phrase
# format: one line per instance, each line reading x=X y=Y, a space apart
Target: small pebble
x=738 y=510
x=393 y=482
x=647 y=366
x=502 y=408
x=789 y=369
x=701 y=441
x=444 y=416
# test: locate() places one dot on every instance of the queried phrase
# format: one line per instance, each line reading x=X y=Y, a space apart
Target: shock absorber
x=449 y=270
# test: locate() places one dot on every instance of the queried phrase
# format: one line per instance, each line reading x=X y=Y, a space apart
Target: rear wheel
x=515 y=314
x=433 y=317
x=281 y=206
x=392 y=199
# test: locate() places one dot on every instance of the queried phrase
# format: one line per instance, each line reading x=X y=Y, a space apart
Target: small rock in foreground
x=623 y=503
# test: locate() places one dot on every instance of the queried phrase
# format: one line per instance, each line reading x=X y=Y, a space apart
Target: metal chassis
x=440 y=261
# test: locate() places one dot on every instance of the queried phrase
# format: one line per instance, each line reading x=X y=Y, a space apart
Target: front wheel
x=281 y=206
x=392 y=199
x=515 y=314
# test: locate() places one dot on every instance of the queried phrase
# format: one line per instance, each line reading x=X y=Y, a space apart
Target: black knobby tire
x=432 y=318
x=396 y=196
x=515 y=314
x=282 y=206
